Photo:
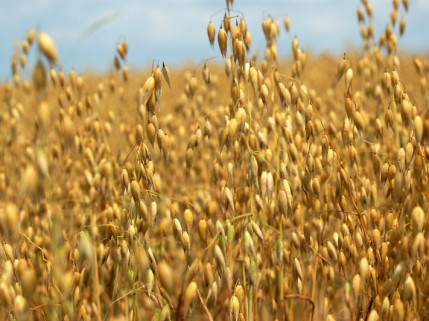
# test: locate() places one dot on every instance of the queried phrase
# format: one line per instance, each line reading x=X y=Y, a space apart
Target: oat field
x=241 y=188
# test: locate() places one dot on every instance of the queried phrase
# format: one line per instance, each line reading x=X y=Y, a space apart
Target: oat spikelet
x=166 y=74
x=211 y=32
x=47 y=47
x=222 y=39
x=342 y=67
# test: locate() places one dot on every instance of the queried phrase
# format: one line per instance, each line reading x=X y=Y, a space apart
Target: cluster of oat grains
x=264 y=189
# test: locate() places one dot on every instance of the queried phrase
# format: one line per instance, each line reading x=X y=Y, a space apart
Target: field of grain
x=255 y=189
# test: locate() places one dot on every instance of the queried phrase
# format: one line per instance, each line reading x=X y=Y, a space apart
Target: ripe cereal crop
x=247 y=188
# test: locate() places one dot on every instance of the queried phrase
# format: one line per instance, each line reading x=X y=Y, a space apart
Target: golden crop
x=259 y=190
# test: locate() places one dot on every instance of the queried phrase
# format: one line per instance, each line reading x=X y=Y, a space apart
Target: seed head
x=373 y=316
x=211 y=32
x=30 y=36
x=125 y=46
x=135 y=191
x=234 y=307
x=47 y=47
x=418 y=218
x=286 y=22
x=402 y=26
x=222 y=40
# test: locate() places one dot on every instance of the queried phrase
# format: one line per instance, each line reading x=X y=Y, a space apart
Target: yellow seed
x=236 y=32
x=368 y=9
x=220 y=259
x=228 y=66
x=253 y=76
x=243 y=26
x=206 y=75
x=239 y=293
x=357 y=285
x=20 y=304
x=177 y=227
x=62 y=78
x=364 y=32
x=342 y=67
x=418 y=218
x=266 y=27
x=166 y=146
x=248 y=40
x=189 y=158
x=190 y=294
x=373 y=316
x=193 y=85
x=192 y=270
x=125 y=46
x=186 y=242
x=370 y=31
x=239 y=51
x=330 y=317
x=188 y=217
x=125 y=72
x=332 y=251
x=9 y=219
x=39 y=76
x=166 y=74
x=410 y=290
x=248 y=243
x=149 y=85
x=14 y=65
x=228 y=199
x=202 y=230
x=385 y=307
x=349 y=79
x=222 y=39
x=364 y=268
x=398 y=310
x=120 y=51
x=402 y=26
x=401 y=159
x=393 y=17
x=295 y=47
x=409 y=152
x=360 y=15
x=116 y=63
x=211 y=32
x=22 y=60
x=135 y=191
x=298 y=269
x=418 y=128
x=359 y=122
x=47 y=47
x=165 y=274
x=234 y=307
x=350 y=107
x=227 y=23
x=157 y=77
x=160 y=138
x=286 y=22
x=391 y=172
x=30 y=36
x=150 y=281
x=315 y=184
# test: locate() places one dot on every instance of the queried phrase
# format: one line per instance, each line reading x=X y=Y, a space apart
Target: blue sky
x=174 y=31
